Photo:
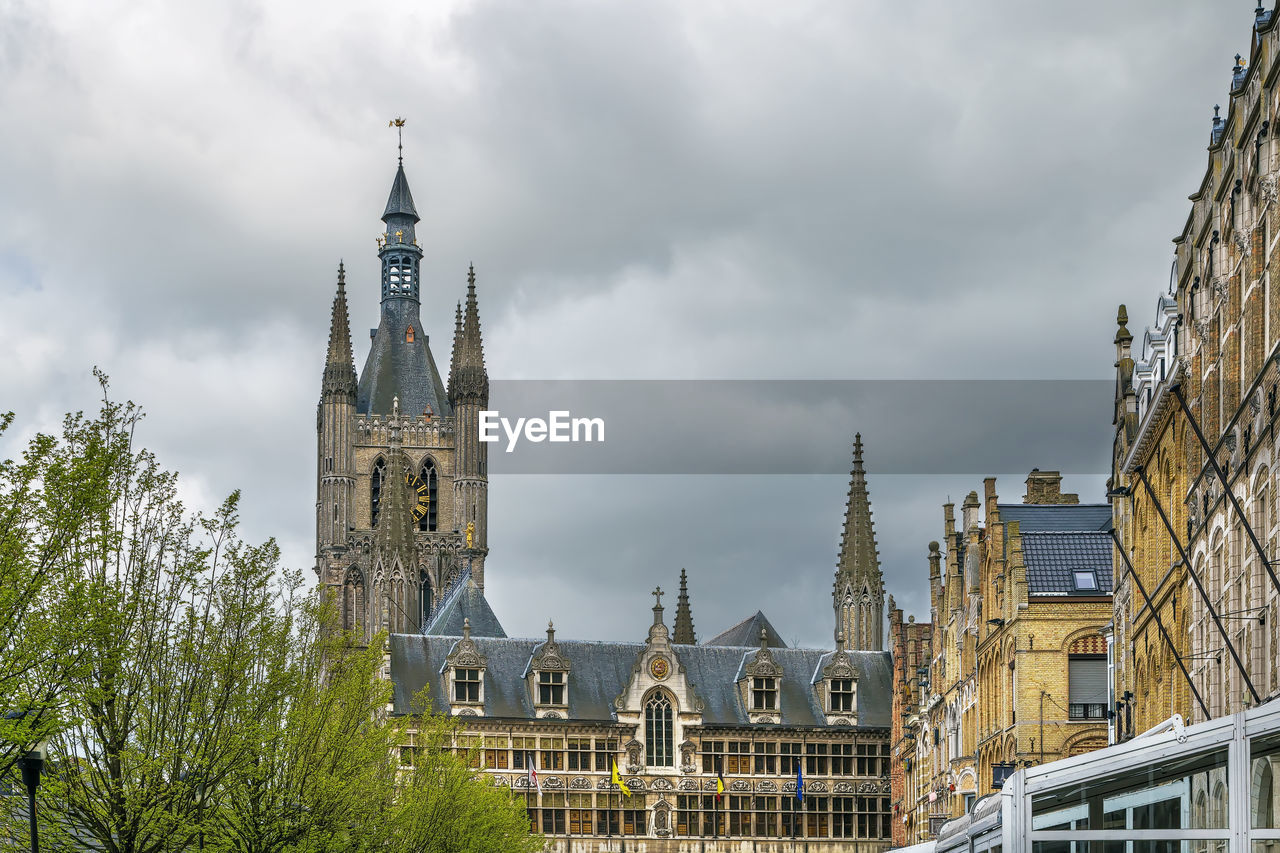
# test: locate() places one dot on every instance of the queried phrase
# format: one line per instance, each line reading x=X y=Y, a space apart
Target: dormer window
x=466 y=675
x=551 y=688
x=760 y=679
x=842 y=696
x=764 y=693
x=549 y=674
x=466 y=685
x=841 y=687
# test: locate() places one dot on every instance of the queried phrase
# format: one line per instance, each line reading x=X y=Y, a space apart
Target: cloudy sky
x=659 y=190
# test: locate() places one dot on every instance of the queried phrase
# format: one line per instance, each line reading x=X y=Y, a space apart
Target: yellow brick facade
x=998 y=691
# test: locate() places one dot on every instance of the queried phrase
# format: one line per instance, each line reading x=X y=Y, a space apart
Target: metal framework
x=1215 y=785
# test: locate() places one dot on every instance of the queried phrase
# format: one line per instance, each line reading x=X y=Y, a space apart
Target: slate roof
x=400 y=368
x=1040 y=517
x=599 y=672
x=747 y=633
x=400 y=201
x=465 y=601
x=1052 y=556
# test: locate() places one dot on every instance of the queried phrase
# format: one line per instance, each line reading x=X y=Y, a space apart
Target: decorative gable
x=660 y=702
x=760 y=687
x=465 y=668
x=838 y=688
x=549 y=678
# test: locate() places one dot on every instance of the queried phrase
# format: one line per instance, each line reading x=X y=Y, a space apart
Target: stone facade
x=401 y=543
x=1226 y=298
x=1150 y=631
x=402 y=486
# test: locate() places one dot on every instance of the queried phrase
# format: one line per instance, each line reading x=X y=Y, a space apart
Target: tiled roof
x=747 y=633
x=1052 y=557
x=1044 y=517
x=600 y=671
x=465 y=601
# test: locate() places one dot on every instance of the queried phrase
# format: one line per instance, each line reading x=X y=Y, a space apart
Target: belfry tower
x=401 y=510
x=858 y=592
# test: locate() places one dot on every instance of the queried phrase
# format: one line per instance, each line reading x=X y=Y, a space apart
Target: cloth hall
x=402 y=524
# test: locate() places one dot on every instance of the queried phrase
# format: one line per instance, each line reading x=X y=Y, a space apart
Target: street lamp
x=32 y=765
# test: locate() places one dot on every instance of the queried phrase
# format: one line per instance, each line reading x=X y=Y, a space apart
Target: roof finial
x=471 y=276
x=466 y=628
x=551 y=631
x=398 y=124
x=764 y=638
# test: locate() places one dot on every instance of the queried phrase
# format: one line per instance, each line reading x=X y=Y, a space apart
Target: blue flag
x=800 y=780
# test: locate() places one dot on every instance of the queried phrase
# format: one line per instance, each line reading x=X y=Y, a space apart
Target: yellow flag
x=617 y=780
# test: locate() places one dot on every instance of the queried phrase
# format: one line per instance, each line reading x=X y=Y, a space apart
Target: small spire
x=683 y=632
x=858 y=566
x=466 y=628
x=657 y=606
x=467 y=374
x=764 y=639
x=551 y=631
x=339 y=369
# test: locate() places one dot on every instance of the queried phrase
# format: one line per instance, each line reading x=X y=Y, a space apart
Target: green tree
x=443 y=806
x=50 y=500
x=181 y=613
x=324 y=772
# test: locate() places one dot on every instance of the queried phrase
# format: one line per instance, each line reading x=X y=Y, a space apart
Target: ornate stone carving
x=662 y=819
x=1268 y=187
x=502 y=781
x=636 y=784
x=661 y=785
x=1241 y=238
x=580 y=783
x=841 y=721
x=688 y=757
x=767 y=786
x=605 y=785
x=553 y=782
x=688 y=784
x=635 y=751
x=1220 y=287
x=789 y=787
x=548 y=657
x=708 y=784
x=842 y=788
x=881 y=787
x=467 y=712
x=816 y=787
x=739 y=785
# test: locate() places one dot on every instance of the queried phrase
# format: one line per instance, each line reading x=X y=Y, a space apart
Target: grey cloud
x=805 y=190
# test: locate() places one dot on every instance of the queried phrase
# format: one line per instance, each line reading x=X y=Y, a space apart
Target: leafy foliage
x=196 y=695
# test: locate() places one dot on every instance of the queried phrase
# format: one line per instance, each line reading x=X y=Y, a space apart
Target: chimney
x=1045 y=487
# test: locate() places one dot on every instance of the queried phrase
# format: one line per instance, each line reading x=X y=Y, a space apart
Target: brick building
x=911 y=643
x=1020 y=598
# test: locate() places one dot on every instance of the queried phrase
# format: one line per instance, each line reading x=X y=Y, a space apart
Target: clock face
x=421 y=499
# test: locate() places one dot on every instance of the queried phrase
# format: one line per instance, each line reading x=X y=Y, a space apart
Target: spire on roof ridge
x=683 y=630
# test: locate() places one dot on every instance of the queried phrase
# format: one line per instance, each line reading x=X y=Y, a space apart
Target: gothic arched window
x=432 y=481
x=353 y=601
x=658 y=732
x=375 y=488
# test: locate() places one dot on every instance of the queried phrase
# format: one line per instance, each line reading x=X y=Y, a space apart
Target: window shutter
x=1087 y=680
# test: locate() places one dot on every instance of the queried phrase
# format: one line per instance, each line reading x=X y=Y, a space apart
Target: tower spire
x=683 y=632
x=858 y=592
x=339 y=366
